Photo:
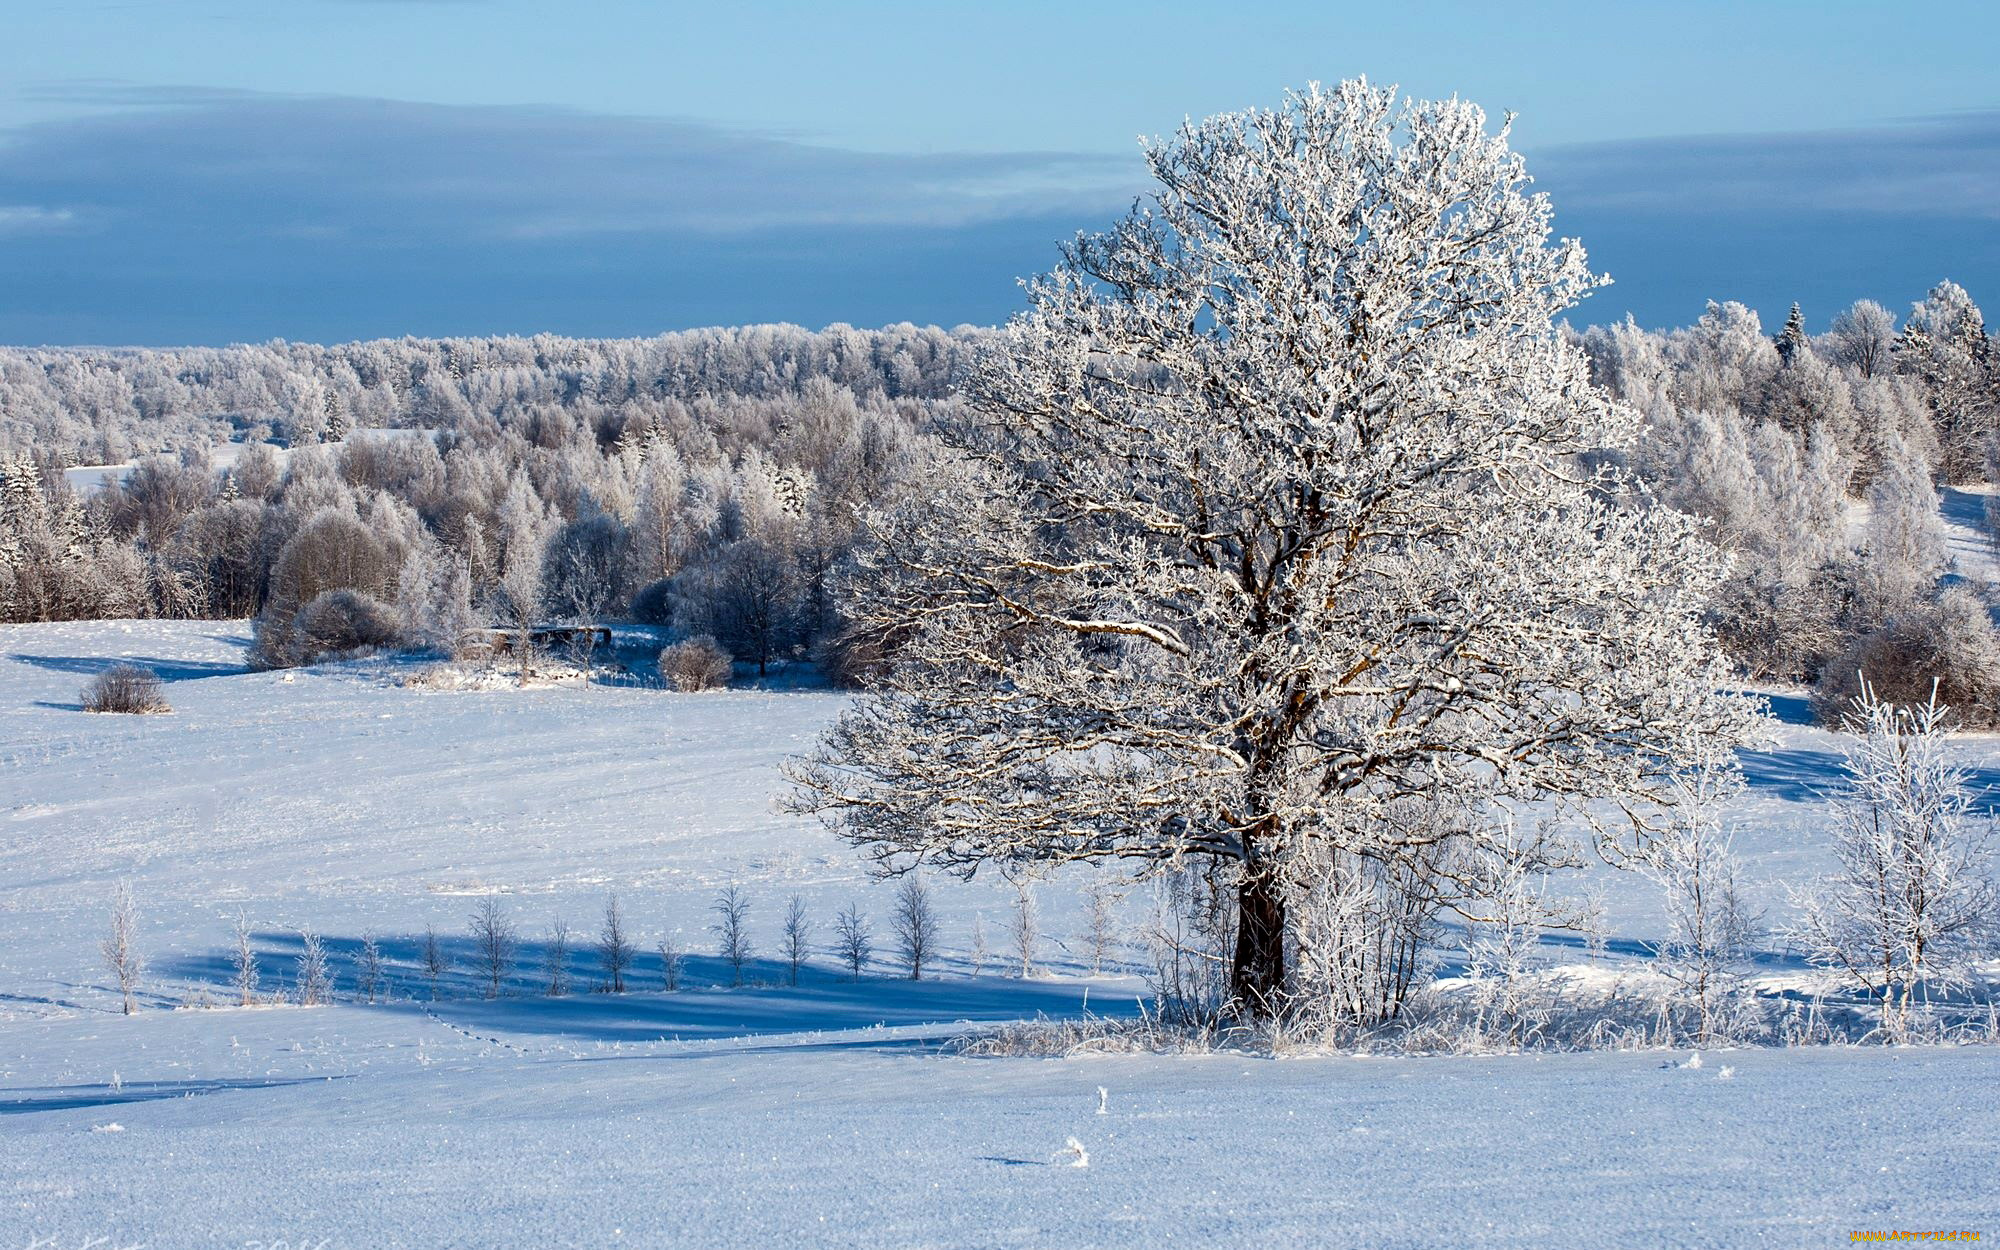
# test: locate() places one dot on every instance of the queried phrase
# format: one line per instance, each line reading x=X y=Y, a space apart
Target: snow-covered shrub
x=125 y=688
x=1024 y=923
x=672 y=960
x=338 y=622
x=331 y=551
x=1947 y=644
x=1362 y=928
x=1100 y=919
x=697 y=663
x=1504 y=929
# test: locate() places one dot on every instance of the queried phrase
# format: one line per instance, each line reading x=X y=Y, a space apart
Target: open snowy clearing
x=337 y=799
x=863 y=1146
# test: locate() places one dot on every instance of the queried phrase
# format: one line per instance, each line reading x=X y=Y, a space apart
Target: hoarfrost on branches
x=1282 y=504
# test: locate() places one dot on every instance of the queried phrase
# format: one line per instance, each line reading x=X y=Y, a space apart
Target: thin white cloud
x=33 y=218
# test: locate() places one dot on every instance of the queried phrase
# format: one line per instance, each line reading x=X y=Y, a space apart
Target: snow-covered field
x=339 y=800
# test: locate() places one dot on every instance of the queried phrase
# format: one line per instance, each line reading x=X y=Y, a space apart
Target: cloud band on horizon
x=185 y=215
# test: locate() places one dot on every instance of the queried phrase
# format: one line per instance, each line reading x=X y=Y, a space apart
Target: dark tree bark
x=1257 y=975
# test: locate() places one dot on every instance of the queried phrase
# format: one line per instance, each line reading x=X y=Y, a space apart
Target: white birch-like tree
x=1279 y=506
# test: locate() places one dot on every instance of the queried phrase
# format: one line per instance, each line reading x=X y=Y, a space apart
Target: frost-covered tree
x=1709 y=924
x=1100 y=919
x=1024 y=924
x=1862 y=337
x=555 y=958
x=370 y=975
x=672 y=958
x=494 y=943
x=1913 y=903
x=795 y=940
x=1903 y=547
x=913 y=920
x=243 y=961
x=1270 y=512
x=436 y=962
x=121 y=947
x=312 y=977
x=615 y=950
x=731 y=928
x=980 y=951
x=1944 y=346
x=853 y=940
x=1792 y=342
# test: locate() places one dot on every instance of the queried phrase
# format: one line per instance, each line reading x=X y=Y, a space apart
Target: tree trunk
x=1257 y=978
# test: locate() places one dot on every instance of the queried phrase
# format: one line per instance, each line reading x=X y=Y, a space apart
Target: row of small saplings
x=608 y=960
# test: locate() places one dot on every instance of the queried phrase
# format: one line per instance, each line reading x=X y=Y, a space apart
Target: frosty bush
x=125 y=688
x=340 y=621
x=331 y=552
x=672 y=962
x=1947 y=644
x=1364 y=926
x=1100 y=919
x=696 y=664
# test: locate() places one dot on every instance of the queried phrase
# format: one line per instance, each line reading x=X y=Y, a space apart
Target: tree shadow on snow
x=706 y=1007
x=1802 y=775
x=166 y=669
x=71 y=1097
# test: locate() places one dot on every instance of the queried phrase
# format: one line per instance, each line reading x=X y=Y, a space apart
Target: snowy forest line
x=714 y=480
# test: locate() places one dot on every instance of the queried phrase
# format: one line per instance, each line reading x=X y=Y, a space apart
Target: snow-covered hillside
x=337 y=799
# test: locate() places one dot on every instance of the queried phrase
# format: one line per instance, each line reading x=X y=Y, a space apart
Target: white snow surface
x=338 y=799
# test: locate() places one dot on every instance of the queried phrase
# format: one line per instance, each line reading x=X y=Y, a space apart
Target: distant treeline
x=715 y=480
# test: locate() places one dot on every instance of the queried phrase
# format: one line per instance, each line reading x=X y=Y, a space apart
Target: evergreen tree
x=1791 y=340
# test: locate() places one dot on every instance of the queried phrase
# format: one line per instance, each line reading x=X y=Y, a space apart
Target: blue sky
x=325 y=169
